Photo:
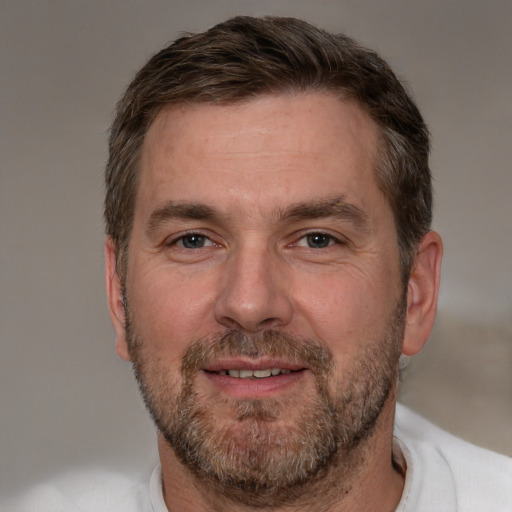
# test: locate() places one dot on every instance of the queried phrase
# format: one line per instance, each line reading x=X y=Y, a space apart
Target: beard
x=270 y=451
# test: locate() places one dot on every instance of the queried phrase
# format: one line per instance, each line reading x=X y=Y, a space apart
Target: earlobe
x=422 y=293
x=115 y=299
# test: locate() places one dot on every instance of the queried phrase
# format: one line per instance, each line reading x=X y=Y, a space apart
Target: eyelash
x=329 y=239
x=179 y=241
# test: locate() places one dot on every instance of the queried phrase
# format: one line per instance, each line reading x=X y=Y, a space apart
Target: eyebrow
x=174 y=210
x=336 y=207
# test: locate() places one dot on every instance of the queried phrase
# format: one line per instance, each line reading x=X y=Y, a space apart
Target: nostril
x=248 y=325
x=270 y=322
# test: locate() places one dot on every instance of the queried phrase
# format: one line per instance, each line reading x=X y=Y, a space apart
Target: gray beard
x=257 y=461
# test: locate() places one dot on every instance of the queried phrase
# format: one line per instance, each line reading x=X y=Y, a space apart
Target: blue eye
x=194 y=241
x=317 y=240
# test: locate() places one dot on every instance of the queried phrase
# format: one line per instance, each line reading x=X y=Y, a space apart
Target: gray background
x=65 y=400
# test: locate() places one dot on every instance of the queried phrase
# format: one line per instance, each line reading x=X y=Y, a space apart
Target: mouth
x=247 y=368
x=254 y=374
x=249 y=378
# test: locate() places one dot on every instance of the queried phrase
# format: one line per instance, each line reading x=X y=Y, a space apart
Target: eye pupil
x=193 y=241
x=318 y=240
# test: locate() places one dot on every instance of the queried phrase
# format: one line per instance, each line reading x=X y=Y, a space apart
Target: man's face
x=264 y=303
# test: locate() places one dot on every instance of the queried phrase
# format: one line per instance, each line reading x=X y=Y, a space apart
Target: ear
x=115 y=299
x=422 y=293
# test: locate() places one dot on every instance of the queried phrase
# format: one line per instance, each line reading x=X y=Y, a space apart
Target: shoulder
x=476 y=478
x=84 y=491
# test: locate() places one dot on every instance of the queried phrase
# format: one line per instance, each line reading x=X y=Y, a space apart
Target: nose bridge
x=253 y=297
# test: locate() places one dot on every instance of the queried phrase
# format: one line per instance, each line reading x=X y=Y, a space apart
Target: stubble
x=273 y=451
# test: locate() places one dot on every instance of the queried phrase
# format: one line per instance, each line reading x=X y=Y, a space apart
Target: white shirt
x=446 y=474
x=443 y=474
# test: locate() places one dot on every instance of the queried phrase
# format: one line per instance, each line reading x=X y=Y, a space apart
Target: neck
x=373 y=482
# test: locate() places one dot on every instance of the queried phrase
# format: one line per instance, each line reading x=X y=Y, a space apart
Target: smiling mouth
x=255 y=374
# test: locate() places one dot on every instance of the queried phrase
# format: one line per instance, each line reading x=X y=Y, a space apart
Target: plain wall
x=65 y=399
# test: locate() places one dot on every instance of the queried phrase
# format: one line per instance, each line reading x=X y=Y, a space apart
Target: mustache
x=307 y=352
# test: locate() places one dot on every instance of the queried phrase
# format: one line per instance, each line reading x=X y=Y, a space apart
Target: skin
x=253 y=267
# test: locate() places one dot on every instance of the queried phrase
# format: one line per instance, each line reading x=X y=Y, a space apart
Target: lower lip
x=255 y=388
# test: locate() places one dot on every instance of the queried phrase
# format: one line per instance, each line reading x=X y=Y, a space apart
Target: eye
x=193 y=241
x=317 y=240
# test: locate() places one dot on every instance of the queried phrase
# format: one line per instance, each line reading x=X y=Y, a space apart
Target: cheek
x=169 y=311
x=347 y=309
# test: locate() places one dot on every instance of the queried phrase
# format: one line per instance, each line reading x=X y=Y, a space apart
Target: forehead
x=273 y=146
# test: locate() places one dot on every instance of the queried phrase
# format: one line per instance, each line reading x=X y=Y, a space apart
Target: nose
x=253 y=296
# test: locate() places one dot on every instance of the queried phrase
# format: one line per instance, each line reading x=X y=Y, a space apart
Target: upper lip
x=245 y=363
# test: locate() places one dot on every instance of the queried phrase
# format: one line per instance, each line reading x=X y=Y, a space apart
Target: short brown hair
x=246 y=57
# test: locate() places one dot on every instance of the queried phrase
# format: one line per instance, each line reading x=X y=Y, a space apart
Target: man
x=268 y=260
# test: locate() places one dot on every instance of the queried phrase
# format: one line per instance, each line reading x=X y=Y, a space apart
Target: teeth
x=254 y=374
x=261 y=373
